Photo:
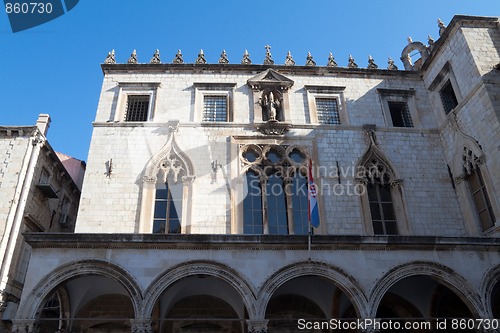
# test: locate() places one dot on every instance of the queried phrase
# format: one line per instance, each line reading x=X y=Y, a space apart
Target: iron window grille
x=327 y=111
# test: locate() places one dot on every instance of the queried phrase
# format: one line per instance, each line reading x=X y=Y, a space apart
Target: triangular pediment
x=269 y=77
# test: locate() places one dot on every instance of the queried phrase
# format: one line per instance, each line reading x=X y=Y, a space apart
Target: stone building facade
x=37 y=195
x=194 y=209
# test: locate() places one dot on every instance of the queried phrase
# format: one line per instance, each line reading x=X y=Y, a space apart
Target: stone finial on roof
x=409 y=39
x=133 y=58
x=156 y=57
x=201 y=58
x=371 y=63
x=268 y=60
x=309 y=60
x=331 y=61
x=223 y=58
x=178 y=58
x=430 y=41
x=246 y=58
x=441 y=26
x=289 y=59
x=391 y=65
x=351 y=63
x=110 y=59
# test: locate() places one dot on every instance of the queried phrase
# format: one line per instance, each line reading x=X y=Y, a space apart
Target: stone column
x=257 y=326
x=141 y=325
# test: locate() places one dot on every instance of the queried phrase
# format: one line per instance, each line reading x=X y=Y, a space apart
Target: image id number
x=28 y=8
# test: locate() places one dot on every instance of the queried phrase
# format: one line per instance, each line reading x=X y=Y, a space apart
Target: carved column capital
x=257 y=326
x=188 y=180
x=361 y=180
x=396 y=183
x=148 y=180
x=141 y=325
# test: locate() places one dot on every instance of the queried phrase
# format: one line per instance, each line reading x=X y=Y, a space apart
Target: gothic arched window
x=276 y=198
x=477 y=188
x=382 y=203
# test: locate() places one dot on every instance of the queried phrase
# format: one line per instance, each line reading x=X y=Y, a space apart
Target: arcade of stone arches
x=98 y=296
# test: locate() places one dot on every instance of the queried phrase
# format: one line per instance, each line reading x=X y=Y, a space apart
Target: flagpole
x=309 y=241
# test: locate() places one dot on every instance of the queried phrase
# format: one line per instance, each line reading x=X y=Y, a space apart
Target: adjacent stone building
x=37 y=195
x=194 y=208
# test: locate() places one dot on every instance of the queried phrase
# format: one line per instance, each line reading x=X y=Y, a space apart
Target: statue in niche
x=272 y=106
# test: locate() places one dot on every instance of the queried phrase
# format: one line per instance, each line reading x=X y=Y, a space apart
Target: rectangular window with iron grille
x=327 y=111
x=448 y=97
x=137 y=108
x=215 y=108
x=400 y=114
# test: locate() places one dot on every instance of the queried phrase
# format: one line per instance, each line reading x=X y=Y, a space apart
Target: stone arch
x=374 y=168
x=406 y=59
x=464 y=144
x=169 y=160
x=445 y=275
x=218 y=270
x=32 y=303
x=347 y=283
x=383 y=167
x=490 y=279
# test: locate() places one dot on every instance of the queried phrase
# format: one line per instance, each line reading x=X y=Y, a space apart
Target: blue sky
x=55 y=68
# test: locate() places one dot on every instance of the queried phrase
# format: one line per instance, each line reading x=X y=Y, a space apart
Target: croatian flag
x=313 y=203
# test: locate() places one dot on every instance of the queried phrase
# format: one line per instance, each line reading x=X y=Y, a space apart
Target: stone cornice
x=258 y=242
x=252 y=127
x=252 y=69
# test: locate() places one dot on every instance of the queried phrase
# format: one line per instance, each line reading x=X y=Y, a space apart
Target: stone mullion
x=287 y=183
x=265 y=222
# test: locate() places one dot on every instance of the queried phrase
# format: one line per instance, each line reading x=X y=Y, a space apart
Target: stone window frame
x=444 y=76
x=327 y=92
x=239 y=176
x=202 y=89
x=462 y=168
x=156 y=172
x=126 y=89
x=373 y=166
x=287 y=169
x=399 y=96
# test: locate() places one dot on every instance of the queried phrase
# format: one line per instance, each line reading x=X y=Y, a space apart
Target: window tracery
x=275 y=199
